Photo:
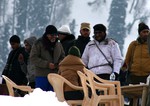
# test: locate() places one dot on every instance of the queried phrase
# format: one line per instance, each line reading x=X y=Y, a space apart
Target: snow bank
x=36 y=98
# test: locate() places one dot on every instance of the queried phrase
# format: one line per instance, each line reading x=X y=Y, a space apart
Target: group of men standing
x=101 y=55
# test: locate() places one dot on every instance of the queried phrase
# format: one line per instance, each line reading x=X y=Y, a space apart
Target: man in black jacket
x=13 y=69
x=84 y=38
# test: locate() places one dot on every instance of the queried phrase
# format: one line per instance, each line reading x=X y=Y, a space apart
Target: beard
x=100 y=38
x=53 y=40
x=144 y=39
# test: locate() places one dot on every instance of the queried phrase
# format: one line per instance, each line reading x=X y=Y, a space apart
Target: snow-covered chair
x=57 y=81
x=11 y=85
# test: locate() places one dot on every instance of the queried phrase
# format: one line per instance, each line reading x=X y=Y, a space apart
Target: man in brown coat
x=138 y=58
x=68 y=68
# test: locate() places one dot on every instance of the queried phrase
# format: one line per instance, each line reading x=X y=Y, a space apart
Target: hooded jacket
x=68 y=69
x=29 y=68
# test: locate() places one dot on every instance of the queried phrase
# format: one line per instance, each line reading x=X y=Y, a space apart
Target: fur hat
x=64 y=29
x=142 y=26
x=99 y=27
x=30 y=40
x=74 y=51
x=14 y=39
x=85 y=25
x=51 y=29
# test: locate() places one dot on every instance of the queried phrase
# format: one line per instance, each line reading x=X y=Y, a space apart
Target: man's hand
x=52 y=66
x=21 y=58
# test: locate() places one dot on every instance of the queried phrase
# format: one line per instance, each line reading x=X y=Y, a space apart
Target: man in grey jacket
x=46 y=53
x=29 y=68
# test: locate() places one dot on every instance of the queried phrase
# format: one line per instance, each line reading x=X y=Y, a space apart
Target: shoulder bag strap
x=111 y=65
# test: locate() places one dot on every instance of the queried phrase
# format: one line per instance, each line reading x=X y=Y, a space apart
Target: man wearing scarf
x=46 y=54
x=137 y=59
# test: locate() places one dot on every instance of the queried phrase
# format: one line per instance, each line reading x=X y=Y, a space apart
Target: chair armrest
x=74 y=86
x=109 y=88
x=24 y=88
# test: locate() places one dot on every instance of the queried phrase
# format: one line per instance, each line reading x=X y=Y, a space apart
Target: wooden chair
x=3 y=89
x=113 y=95
x=57 y=81
x=11 y=85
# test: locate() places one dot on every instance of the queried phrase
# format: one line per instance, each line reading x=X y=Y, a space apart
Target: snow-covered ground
x=36 y=98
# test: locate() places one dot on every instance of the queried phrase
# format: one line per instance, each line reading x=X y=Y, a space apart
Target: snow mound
x=36 y=98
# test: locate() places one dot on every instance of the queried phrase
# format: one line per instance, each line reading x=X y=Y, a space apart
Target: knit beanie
x=99 y=27
x=51 y=29
x=14 y=39
x=142 y=26
x=64 y=29
x=74 y=51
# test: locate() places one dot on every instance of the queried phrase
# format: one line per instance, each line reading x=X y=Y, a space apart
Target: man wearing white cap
x=65 y=37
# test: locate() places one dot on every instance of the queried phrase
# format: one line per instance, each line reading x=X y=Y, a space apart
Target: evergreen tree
x=139 y=11
x=72 y=26
x=21 y=17
x=29 y=17
x=116 y=28
x=44 y=12
x=4 y=34
x=32 y=16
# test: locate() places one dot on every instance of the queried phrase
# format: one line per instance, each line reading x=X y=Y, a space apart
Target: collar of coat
x=139 y=40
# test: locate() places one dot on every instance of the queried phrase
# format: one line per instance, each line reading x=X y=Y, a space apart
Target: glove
x=116 y=75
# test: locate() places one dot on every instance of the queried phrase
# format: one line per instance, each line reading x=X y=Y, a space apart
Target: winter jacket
x=81 y=42
x=13 y=69
x=29 y=68
x=68 y=68
x=67 y=42
x=139 y=57
x=41 y=58
x=96 y=61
